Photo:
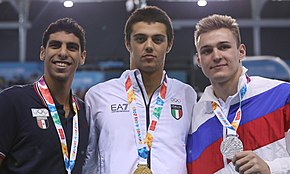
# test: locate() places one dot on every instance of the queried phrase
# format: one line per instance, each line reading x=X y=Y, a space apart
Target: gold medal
x=142 y=169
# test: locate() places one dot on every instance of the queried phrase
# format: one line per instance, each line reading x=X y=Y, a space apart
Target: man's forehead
x=215 y=37
x=146 y=28
x=63 y=37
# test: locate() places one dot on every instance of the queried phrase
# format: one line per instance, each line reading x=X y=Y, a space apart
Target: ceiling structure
x=28 y=18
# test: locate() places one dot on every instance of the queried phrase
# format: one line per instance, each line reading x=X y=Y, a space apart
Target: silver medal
x=230 y=146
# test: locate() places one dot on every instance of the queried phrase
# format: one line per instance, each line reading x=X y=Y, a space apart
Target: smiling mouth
x=61 y=64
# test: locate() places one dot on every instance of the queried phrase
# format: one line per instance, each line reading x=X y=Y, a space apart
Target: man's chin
x=219 y=78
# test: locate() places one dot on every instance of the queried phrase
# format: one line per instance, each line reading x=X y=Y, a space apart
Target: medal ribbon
x=145 y=146
x=45 y=95
x=231 y=127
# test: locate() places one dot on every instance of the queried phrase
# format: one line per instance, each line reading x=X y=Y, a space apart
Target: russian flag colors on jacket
x=264 y=128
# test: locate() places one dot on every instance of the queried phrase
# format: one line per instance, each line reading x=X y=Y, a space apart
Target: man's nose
x=63 y=51
x=149 y=46
x=216 y=54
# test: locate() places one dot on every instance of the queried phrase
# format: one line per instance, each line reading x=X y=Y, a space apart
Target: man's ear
x=198 y=60
x=128 y=45
x=83 y=57
x=242 y=52
x=169 y=46
x=42 y=53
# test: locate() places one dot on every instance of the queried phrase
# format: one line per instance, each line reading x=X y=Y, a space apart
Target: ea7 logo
x=119 y=107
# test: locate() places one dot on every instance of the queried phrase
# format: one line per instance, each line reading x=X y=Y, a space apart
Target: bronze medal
x=142 y=169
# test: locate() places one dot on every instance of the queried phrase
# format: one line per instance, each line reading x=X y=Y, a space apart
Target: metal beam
x=14 y=4
x=267 y=23
x=23 y=19
x=85 y=1
x=13 y=25
x=256 y=9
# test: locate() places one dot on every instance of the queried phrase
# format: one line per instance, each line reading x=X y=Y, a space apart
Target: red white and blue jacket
x=264 y=127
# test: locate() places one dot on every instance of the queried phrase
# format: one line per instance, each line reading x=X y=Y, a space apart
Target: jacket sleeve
x=8 y=123
x=90 y=165
x=282 y=165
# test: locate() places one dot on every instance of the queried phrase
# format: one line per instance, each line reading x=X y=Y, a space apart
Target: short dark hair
x=149 y=14
x=68 y=25
x=215 y=22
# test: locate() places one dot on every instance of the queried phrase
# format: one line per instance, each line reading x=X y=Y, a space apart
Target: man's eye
x=206 y=51
x=140 y=39
x=73 y=47
x=54 y=45
x=224 y=47
x=158 y=40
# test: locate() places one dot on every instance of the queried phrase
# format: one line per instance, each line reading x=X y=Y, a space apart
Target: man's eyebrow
x=54 y=41
x=219 y=43
x=72 y=43
x=223 y=42
x=205 y=46
x=139 y=34
x=154 y=35
x=159 y=35
x=68 y=43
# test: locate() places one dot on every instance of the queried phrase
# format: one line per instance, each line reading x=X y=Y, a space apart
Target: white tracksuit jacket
x=113 y=128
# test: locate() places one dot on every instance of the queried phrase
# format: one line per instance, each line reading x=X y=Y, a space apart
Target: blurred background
x=264 y=24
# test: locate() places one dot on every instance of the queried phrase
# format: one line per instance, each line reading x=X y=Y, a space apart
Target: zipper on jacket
x=147 y=116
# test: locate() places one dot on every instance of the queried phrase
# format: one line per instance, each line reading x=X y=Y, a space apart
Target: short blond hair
x=215 y=22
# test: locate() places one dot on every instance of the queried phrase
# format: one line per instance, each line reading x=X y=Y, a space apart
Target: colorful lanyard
x=45 y=95
x=144 y=147
x=231 y=127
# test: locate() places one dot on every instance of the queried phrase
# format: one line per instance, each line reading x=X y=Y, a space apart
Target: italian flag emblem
x=176 y=111
x=42 y=122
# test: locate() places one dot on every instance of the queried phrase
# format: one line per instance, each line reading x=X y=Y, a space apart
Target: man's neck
x=151 y=82
x=224 y=91
x=59 y=90
x=228 y=88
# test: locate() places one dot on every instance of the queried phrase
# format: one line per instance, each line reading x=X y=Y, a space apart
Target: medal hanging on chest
x=142 y=169
x=44 y=94
x=144 y=143
x=231 y=145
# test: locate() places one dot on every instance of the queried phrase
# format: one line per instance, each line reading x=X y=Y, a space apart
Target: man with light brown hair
x=241 y=123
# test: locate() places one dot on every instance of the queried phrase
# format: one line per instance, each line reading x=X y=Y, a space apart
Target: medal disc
x=142 y=169
x=230 y=146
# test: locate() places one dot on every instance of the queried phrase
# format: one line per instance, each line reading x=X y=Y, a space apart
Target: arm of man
x=250 y=162
x=90 y=165
x=7 y=122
